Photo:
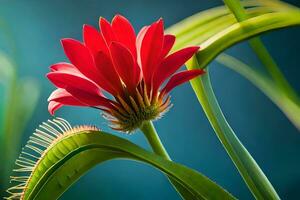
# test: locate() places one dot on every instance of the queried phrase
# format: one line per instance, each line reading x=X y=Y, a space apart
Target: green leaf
x=158 y=148
x=262 y=53
x=26 y=97
x=17 y=105
x=7 y=69
x=72 y=152
x=214 y=37
x=219 y=30
x=7 y=79
x=243 y=31
x=250 y=171
x=200 y=27
x=266 y=85
x=22 y=100
x=190 y=24
x=7 y=74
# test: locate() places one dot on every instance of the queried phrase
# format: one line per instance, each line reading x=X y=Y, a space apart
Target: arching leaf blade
x=74 y=155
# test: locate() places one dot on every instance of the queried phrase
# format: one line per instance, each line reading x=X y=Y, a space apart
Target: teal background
x=36 y=28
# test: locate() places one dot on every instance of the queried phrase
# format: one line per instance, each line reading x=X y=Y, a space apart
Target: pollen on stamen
x=131 y=111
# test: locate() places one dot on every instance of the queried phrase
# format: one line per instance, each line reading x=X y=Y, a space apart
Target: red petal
x=110 y=78
x=70 y=69
x=151 y=49
x=89 y=99
x=64 y=80
x=139 y=40
x=171 y=64
x=64 y=97
x=125 y=65
x=169 y=41
x=181 y=77
x=54 y=106
x=65 y=67
x=94 y=40
x=124 y=32
x=106 y=31
x=81 y=57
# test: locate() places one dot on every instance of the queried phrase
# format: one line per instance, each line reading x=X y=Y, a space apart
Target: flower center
x=132 y=110
x=135 y=119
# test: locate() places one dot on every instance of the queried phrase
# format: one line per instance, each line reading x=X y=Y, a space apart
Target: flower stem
x=150 y=133
x=262 y=53
x=254 y=177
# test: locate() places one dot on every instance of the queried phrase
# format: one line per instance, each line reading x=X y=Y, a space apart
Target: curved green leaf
x=216 y=30
x=209 y=23
x=17 y=103
x=197 y=20
x=262 y=53
x=214 y=38
x=215 y=42
x=73 y=152
x=266 y=85
x=250 y=171
x=245 y=30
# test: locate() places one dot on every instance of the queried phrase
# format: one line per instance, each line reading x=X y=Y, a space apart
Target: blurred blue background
x=36 y=28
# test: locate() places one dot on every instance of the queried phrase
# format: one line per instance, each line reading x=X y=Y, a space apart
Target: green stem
x=262 y=53
x=149 y=131
x=152 y=137
x=253 y=176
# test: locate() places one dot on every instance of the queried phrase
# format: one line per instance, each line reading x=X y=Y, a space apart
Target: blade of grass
x=253 y=176
x=188 y=24
x=209 y=28
x=265 y=84
x=262 y=53
x=242 y=31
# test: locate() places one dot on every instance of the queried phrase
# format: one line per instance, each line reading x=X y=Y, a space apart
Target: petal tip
x=53 y=106
x=195 y=48
x=117 y=17
x=103 y=20
x=160 y=20
x=86 y=27
x=67 y=41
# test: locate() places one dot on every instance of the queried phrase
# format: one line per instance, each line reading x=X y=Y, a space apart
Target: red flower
x=131 y=68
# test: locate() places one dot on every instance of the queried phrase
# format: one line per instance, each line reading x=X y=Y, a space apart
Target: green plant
x=21 y=96
x=56 y=146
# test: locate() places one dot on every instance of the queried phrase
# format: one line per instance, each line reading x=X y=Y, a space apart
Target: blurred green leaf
x=266 y=85
x=263 y=54
x=17 y=103
x=7 y=78
x=27 y=95
x=22 y=101
x=7 y=69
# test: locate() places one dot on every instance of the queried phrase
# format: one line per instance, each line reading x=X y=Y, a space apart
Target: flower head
x=132 y=69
